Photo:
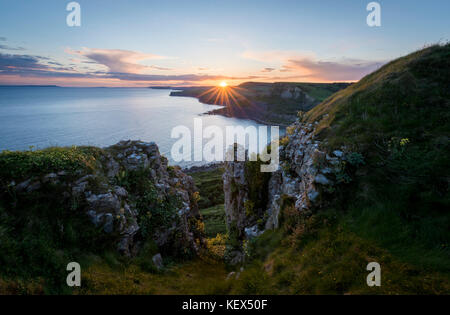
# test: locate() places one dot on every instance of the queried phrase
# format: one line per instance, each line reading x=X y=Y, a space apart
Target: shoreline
x=217 y=111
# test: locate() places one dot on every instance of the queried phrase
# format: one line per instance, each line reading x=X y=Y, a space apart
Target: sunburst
x=229 y=96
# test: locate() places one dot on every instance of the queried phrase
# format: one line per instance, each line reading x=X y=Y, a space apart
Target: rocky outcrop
x=296 y=178
x=305 y=173
x=236 y=195
x=104 y=196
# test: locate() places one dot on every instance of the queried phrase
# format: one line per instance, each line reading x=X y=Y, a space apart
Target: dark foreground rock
x=129 y=194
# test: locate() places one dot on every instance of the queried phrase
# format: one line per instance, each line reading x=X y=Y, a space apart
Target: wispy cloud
x=343 y=70
x=268 y=69
x=9 y=62
x=6 y=47
x=118 y=60
x=179 y=78
x=306 y=66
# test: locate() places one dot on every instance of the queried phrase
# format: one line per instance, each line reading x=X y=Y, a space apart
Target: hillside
x=276 y=103
x=364 y=177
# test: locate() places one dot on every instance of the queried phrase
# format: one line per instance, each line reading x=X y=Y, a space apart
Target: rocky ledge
x=129 y=194
x=306 y=174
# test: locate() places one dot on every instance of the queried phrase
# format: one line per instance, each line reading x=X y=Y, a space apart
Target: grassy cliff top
x=398 y=118
x=17 y=165
x=407 y=97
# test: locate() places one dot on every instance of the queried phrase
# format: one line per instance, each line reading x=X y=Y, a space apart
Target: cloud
x=306 y=66
x=286 y=68
x=160 y=68
x=274 y=56
x=26 y=66
x=10 y=62
x=7 y=47
x=181 y=77
x=118 y=60
x=268 y=69
x=35 y=66
x=343 y=70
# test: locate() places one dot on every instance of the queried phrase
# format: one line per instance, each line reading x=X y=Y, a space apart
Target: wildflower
x=404 y=141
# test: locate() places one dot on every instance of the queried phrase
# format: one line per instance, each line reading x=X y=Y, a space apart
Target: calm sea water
x=50 y=116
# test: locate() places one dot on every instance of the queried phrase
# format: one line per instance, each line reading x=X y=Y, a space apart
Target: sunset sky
x=143 y=43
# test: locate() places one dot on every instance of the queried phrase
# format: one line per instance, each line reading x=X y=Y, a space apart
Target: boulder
x=158 y=261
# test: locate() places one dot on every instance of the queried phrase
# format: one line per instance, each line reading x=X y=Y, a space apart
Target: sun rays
x=225 y=95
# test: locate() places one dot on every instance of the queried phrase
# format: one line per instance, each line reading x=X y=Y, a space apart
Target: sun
x=223 y=84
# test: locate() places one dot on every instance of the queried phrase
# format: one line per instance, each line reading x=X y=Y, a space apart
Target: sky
x=204 y=42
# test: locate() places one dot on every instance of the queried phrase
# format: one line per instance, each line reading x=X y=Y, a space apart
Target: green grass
x=423 y=243
x=210 y=187
x=214 y=219
x=321 y=91
x=211 y=202
x=41 y=231
x=321 y=255
x=398 y=119
x=20 y=164
x=395 y=97
x=33 y=245
x=194 y=277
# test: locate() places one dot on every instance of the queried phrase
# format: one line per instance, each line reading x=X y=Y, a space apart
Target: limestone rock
x=304 y=169
x=113 y=209
x=158 y=261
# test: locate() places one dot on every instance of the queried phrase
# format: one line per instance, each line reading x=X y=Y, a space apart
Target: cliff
x=305 y=172
x=362 y=178
x=60 y=204
x=276 y=103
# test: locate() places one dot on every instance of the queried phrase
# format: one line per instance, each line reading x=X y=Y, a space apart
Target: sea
x=33 y=118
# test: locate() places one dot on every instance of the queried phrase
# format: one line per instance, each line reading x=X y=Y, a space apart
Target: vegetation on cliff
x=211 y=202
x=391 y=206
x=399 y=118
x=116 y=206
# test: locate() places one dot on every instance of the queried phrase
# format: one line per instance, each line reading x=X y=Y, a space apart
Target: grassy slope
x=318 y=91
x=214 y=219
x=210 y=186
x=394 y=212
x=398 y=117
x=195 y=277
x=211 y=202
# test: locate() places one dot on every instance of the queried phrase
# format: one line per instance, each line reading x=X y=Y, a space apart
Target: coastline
x=185 y=92
x=275 y=103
